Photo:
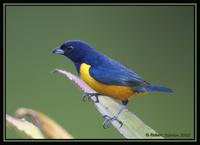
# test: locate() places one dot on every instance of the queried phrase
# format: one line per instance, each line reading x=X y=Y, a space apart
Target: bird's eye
x=70 y=48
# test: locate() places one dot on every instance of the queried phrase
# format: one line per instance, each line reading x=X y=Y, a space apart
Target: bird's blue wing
x=121 y=76
x=109 y=71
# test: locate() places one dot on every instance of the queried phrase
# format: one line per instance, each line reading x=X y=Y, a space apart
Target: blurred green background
x=156 y=41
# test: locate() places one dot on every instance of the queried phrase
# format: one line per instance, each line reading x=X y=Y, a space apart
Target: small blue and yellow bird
x=105 y=75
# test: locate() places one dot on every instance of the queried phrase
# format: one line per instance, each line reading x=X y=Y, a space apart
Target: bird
x=105 y=75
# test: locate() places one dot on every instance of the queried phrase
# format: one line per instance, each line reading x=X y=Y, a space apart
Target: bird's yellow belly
x=117 y=92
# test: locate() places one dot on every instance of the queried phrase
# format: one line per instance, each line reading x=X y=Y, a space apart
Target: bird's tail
x=158 y=88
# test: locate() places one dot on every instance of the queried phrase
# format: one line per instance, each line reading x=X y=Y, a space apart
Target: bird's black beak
x=58 y=51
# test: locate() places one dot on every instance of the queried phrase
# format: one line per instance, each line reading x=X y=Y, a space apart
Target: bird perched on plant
x=105 y=75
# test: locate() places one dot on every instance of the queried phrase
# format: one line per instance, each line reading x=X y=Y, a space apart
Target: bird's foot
x=109 y=119
x=89 y=96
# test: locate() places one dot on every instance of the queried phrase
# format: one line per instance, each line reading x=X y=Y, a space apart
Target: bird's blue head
x=75 y=50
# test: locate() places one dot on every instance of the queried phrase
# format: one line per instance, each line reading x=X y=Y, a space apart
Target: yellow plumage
x=117 y=92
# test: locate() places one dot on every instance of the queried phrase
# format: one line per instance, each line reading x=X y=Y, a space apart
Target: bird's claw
x=88 y=96
x=108 y=121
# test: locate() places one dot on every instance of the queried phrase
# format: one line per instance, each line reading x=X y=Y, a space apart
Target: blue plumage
x=105 y=75
x=104 y=69
x=158 y=88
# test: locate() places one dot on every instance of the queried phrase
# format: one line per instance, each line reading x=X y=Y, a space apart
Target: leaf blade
x=133 y=126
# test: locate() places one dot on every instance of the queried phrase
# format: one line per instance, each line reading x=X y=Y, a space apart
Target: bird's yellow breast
x=118 y=92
